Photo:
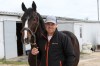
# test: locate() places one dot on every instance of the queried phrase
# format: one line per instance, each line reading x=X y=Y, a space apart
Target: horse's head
x=30 y=23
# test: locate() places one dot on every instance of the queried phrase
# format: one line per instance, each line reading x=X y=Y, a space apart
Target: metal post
x=98 y=9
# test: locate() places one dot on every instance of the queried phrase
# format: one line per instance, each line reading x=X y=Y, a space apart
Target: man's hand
x=35 y=51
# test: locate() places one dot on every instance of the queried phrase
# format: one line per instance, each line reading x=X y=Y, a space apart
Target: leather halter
x=32 y=33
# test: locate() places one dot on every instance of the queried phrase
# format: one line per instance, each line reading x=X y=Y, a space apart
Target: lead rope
x=34 y=43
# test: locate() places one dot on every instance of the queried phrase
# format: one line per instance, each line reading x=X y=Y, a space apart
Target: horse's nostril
x=26 y=40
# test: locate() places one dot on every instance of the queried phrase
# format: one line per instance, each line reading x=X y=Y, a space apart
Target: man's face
x=50 y=27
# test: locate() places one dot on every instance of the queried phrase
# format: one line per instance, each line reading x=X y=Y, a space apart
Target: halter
x=32 y=33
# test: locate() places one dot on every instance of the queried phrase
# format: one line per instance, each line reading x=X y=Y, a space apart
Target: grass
x=3 y=61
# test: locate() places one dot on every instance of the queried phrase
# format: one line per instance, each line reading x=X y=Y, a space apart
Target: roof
x=10 y=13
x=44 y=16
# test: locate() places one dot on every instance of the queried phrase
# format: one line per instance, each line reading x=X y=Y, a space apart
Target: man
x=55 y=49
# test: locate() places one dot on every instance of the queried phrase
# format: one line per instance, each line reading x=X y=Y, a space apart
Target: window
x=80 y=32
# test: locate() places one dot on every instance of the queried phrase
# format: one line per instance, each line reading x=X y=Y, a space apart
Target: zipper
x=47 y=49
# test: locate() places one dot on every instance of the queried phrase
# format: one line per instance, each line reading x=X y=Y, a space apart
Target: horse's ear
x=34 y=6
x=24 y=7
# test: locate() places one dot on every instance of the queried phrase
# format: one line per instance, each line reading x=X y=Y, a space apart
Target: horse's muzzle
x=26 y=41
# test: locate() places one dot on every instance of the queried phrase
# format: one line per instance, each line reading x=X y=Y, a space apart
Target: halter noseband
x=32 y=33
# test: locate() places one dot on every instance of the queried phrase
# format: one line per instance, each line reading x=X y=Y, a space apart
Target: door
x=78 y=31
x=19 y=43
x=10 y=39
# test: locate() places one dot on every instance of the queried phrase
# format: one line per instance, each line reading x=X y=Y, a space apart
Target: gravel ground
x=92 y=59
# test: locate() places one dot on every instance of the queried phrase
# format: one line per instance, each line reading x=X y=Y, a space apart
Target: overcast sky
x=80 y=9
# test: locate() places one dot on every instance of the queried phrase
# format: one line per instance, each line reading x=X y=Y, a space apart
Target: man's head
x=51 y=24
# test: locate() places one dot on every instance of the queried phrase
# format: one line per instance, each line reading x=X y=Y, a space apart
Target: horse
x=34 y=28
x=75 y=44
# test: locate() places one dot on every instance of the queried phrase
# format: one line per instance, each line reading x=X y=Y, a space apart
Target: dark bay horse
x=33 y=28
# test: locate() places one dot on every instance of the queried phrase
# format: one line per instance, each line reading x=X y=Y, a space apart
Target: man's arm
x=68 y=51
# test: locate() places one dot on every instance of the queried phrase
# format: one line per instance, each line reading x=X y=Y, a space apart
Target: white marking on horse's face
x=25 y=31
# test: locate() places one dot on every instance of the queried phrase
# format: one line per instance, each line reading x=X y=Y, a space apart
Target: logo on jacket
x=55 y=43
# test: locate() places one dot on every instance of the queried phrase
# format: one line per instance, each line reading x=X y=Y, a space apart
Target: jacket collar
x=54 y=35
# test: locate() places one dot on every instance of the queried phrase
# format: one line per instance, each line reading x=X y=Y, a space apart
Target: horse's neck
x=41 y=28
x=40 y=32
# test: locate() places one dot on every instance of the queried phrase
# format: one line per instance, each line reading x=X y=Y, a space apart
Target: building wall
x=90 y=33
x=78 y=31
x=4 y=49
x=87 y=33
x=66 y=26
x=13 y=18
x=98 y=36
x=10 y=39
x=1 y=41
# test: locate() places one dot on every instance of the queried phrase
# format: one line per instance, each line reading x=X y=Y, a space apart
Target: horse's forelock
x=27 y=13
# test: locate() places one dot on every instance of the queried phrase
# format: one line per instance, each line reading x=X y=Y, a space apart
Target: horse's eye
x=34 y=19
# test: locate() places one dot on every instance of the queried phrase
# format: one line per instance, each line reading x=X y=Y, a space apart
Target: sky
x=79 y=9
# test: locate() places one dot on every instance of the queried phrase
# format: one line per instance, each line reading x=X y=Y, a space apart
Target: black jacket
x=56 y=52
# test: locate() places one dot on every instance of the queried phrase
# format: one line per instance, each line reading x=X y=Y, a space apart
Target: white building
x=10 y=36
x=87 y=32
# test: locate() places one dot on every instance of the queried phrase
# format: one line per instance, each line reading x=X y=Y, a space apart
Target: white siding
x=10 y=39
x=77 y=32
x=1 y=41
x=13 y=18
x=90 y=33
x=98 y=36
x=65 y=26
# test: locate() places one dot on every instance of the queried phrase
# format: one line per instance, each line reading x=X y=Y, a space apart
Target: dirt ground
x=92 y=59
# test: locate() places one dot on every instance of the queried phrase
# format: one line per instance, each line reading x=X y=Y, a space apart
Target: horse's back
x=75 y=44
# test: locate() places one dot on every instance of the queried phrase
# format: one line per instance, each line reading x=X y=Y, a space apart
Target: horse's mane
x=41 y=22
x=41 y=28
